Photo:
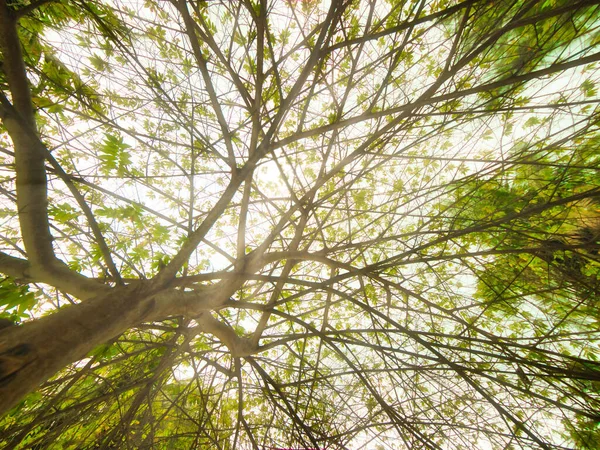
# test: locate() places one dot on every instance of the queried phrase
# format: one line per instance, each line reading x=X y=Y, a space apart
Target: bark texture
x=33 y=352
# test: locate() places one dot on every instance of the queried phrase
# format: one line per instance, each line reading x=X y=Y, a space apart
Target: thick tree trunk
x=32 y=353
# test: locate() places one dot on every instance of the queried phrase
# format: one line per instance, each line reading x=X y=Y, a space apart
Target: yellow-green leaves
x=15 y=300
x=114 y=156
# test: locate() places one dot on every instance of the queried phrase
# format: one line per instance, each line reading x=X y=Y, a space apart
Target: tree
x=260 y=224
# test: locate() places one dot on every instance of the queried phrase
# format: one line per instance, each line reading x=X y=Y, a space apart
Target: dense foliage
x=299 y=223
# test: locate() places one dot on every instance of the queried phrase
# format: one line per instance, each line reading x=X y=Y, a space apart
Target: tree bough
x=268 y=224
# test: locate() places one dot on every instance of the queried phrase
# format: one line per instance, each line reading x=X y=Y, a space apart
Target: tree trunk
x=33 y=352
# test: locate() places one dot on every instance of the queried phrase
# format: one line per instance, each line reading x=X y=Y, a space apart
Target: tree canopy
x=265 y=224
